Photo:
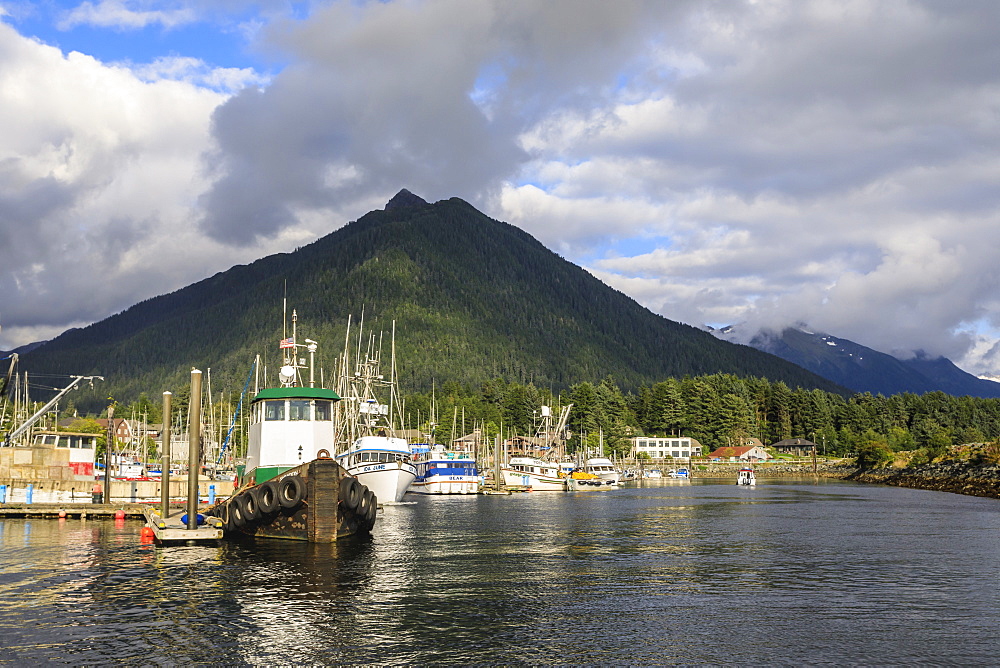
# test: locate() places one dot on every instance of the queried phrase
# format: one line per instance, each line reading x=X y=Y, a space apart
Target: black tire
x=365 y=504
x=291 y=491
x=267 y=497
x=246 y=504
x=372 y=511
x=350 y=493
x=236 y=517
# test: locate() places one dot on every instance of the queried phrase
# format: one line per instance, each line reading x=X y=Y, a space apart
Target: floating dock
x=173 y=528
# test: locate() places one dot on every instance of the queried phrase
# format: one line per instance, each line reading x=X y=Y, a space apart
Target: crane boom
x=27 y=424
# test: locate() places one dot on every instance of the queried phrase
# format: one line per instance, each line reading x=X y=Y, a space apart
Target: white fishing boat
x=290 y=486
x=653 y=473
x=533 y=473
x=603 y=468
x=680 y=473
x=746 y=477
x=371 y=451
x=441 y=471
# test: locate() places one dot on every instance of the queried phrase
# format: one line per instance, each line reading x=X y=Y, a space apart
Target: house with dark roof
x=798 y=447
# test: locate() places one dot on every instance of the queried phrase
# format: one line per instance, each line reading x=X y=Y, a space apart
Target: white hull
x=537 y=482
x=389 y=481
x=445 y=486
x=746 y=478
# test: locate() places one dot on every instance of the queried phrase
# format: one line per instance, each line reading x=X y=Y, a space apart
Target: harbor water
x=666 y=572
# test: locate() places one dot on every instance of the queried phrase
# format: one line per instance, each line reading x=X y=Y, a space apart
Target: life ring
x=246 y=505
x=266 y=496
x=350 y=492
x=291 y=491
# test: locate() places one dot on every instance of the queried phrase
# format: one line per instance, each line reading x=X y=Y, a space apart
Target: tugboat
x=291 y=487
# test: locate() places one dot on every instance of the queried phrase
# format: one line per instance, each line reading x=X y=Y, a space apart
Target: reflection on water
x=705 y=572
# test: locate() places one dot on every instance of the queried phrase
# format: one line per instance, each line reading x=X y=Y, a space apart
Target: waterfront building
x=658 y=448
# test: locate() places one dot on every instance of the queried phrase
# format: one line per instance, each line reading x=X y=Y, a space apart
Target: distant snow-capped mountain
x=863 y=369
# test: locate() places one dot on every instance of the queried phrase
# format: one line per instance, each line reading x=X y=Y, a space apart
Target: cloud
x=432 y=96
x=119 y=14
x=98 y=170
x=197 y=72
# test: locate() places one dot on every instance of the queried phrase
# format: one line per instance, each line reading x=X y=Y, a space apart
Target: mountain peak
x=404 y=198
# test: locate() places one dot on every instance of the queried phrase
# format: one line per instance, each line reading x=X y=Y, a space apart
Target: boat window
x=365 y=456
x=323 y=410
x=298 y=409
x=274 y=410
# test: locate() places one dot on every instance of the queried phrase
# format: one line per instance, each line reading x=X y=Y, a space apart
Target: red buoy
x=119 y=514
x=147 y=535
x=62 y=513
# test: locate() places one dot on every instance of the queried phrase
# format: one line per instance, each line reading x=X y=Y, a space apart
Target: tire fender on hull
x=351 y=493
x=291 y=492
x=267 y=496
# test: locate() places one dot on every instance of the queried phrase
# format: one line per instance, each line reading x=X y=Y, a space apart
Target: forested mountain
x=865 y=370
x=472 y=298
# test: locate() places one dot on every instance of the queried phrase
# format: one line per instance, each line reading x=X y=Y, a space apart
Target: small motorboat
x=746 y=477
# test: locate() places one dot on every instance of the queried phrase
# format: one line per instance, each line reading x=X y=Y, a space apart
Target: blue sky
x=764 y=162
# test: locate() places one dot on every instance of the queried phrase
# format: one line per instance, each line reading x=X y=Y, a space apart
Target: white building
x=659 y=448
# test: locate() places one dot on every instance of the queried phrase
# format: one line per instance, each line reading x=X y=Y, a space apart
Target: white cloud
x=98 y=174
x=120 y=14
x=199 y=73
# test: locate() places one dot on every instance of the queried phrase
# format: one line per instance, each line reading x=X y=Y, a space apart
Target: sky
x=756 y=162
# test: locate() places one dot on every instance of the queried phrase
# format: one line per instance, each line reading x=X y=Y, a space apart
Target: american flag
x=287 y=343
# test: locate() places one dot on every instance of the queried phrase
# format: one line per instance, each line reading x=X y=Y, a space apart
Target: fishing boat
x=441 y=471
x=680 y=473
x=370 y=449
x=746 y=477
x=533 y=473
x=290 y=486
x=603 y=468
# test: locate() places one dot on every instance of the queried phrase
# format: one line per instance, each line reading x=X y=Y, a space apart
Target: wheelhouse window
x=324 y=411
x=298 y=409
x=274 y=410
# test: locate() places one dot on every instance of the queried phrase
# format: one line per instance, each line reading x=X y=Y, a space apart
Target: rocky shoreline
x=955 y=477
x=959 y=478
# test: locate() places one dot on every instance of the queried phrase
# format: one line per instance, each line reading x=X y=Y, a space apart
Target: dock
x=166 y=530
x=172 y=527
x=77 y=510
